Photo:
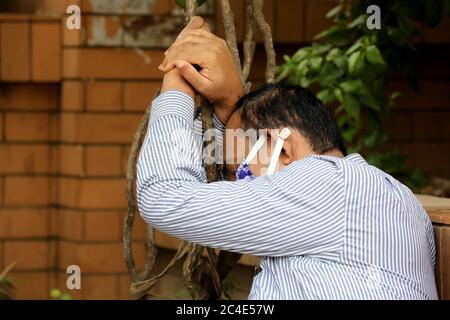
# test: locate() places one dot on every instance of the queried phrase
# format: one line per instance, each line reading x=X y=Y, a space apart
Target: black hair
x=281 y=105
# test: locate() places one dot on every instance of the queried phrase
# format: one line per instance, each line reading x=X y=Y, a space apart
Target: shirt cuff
x=174 y=103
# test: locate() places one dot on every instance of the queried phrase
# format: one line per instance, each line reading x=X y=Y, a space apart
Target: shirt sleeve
x=289 y=213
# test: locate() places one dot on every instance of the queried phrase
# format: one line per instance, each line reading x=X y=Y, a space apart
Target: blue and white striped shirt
x=325 y=227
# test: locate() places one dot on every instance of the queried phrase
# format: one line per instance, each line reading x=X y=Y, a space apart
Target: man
x=326 y=225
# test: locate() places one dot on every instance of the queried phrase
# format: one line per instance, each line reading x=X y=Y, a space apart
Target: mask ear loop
x=258 y=145
x=284 y=134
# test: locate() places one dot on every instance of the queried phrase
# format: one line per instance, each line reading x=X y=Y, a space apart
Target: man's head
x=272 y=108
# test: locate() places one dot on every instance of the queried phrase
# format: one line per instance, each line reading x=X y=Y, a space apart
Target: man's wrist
x=173 y=81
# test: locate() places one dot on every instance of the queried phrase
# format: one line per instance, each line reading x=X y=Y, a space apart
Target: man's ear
x=287 y=155
x=295 y=147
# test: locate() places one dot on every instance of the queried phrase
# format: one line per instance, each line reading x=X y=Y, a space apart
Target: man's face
x=238 y=143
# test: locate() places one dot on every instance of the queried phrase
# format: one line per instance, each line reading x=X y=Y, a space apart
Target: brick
x=99 y=287
x=125 y=158
x=103 y=161
x=24 y=223
x=24 y=158
x=105 y=257
x=31 y=285
x=103 y=226
x=433 y=64
x=148 y=32
x=55 y=6
x=165 y=241
x=26 y=96
x=70 y=160
x=46 y=52
x=104 y=96
x=72 y=97
x=29 y=254
x=1 y=191
x=112 y=63
x=430 y=156
x=290 y=17
x=67 y=255
x=316 y=20
x=432 y=125
x=99 y=128
x=70 y=224
x=15 y=51
x=92 y=193
x=104 y=30
x=438 y=34
x=142 y=7
x=26 y=191
x=124 y=287
x=421 y=99
x=2 y=133
x=139 y=95
x=28 y=127
x=73 y=37
x=399 y=126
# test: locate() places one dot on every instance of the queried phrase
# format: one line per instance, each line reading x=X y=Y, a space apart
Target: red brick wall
x=70 y=102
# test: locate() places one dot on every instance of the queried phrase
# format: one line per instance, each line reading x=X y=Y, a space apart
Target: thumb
x=196 y=22
x=191 y=75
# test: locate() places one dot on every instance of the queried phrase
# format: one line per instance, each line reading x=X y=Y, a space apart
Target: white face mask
x=244 y=173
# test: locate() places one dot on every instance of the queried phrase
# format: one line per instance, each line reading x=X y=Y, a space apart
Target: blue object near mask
x=244 y=173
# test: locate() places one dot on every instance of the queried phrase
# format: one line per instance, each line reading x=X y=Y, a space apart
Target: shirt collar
x=356 y=158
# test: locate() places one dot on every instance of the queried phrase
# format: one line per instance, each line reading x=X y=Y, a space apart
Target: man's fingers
x=194 y=53
x=195 y=79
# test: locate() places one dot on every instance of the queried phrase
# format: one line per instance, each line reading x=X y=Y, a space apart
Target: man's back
x=386 y=247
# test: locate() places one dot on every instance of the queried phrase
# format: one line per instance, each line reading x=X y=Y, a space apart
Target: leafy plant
x=6 y=285
x=56 y=294
x=351 y=64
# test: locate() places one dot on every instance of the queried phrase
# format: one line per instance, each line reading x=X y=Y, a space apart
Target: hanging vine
x=203 y=277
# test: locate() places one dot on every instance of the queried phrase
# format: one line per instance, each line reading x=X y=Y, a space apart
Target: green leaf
x=352 y=106
x=352 y=86
x=283 y=73
x=324 y=96
x=349 y=133
x=395 y=95
x=352 y=61
x=327 y=32
x=338 y=94
x=354 y=47
x=316 y=62
x=341 y=62
x=287 y=59
x=374 y=56
x=360 y=20
x=300 y=55
x=396 y=36
x=333 y=54
x=333 y=12
x=302 y=68
x=55 y=294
